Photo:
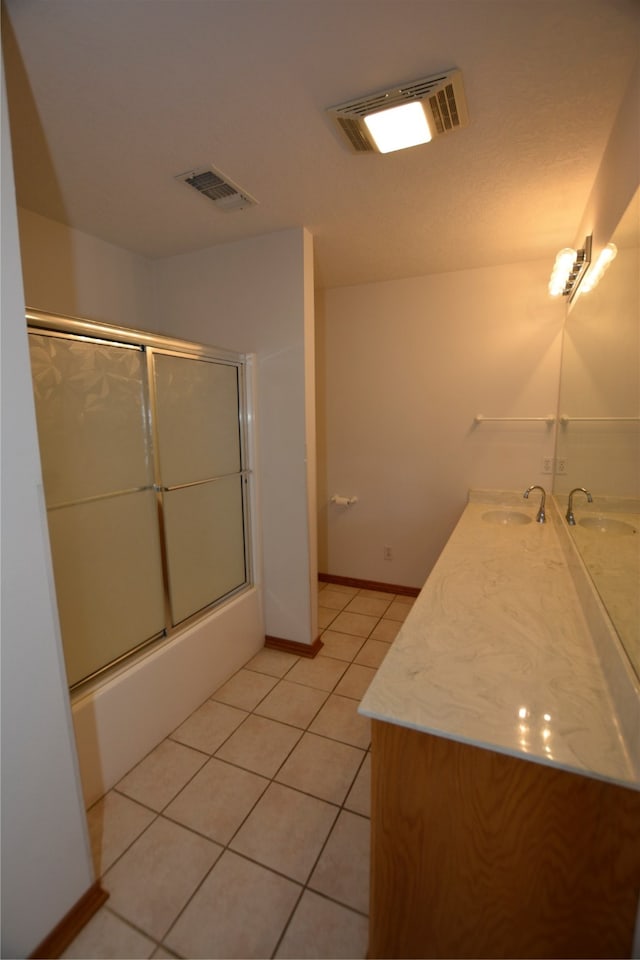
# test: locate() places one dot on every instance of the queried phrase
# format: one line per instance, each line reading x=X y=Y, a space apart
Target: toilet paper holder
x=343 y=501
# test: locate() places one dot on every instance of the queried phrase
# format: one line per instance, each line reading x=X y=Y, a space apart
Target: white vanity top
x=496 y=651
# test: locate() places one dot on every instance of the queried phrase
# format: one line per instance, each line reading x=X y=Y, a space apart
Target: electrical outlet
x=561 y=465
x=547 y=464
x=387 y=553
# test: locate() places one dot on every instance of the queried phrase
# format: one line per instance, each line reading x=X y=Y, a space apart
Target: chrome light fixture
x=568 y=270
x=596 y=272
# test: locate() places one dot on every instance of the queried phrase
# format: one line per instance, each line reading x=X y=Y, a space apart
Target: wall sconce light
x=592 y=279
x=569 y=269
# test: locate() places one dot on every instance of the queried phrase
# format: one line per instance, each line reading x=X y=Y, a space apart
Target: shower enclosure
x=144 y=461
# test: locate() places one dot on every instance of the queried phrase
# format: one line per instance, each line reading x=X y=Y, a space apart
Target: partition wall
x=146 y=481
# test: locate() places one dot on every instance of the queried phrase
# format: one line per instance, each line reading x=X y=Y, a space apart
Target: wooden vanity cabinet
x=477 y=854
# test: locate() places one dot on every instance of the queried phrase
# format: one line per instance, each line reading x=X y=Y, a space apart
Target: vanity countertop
x=496 y=651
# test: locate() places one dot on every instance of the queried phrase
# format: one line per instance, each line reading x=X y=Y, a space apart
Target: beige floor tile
x=343 y=588
x=336 y=599
x=322 y=672
x=322 y=767
x=107 y=937
x=238 y=912
x=386 y=630
x=326 y=616
x=209 y=726
x=275 y=663
x=340 y=720
x=162 y=774
x=372 y=653
x=359 y=797
x=154 y=879
x=398 y=610
x=401 y=598
x=260 y=745
x=163 y=954
x=245 y=689
x=342 y=872
x=372 y=606
x=377 y=594
x=217 y=800
x=285 y=831
x=114 y=823
x=340 y=646
x=355 y=624
x=292 y=703
x=355 y=681
x=321 y=928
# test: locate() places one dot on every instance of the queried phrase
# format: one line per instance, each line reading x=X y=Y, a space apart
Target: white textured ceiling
x=110 y=99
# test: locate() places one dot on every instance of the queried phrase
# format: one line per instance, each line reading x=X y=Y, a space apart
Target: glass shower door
x=199 y=464
x=101 y=506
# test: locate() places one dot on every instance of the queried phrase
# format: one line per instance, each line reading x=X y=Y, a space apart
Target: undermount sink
x=506 y=518
x=615 y=528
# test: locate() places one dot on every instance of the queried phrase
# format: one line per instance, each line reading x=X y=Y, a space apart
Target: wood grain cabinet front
x=478 y=854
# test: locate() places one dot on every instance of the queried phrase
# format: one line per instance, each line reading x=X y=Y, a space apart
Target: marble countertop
x=496 y=651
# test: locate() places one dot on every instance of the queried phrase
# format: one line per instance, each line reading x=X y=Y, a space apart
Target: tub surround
x=497 y=652
x=505 y=773
x=124 y=717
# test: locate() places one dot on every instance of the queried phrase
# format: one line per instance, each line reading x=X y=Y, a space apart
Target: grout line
x=271 y=780
x=114 y=913
x=288 y=922
x=340 y=808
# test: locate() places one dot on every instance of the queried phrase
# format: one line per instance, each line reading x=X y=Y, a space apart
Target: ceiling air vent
x=442 y=96
x=212 y=184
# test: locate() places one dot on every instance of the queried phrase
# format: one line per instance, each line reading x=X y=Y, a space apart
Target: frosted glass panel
x=90 y=409
x=117 y=568
x=107 y=567
x=197 y=419
x=205 y=544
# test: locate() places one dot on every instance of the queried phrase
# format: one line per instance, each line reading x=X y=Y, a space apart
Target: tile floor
x=246 y=832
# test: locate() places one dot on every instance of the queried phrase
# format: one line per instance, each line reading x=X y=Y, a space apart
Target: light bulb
x=595 y=273
x=399 y=127
x=561 y=270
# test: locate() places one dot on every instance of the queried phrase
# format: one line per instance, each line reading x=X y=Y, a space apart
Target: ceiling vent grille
x=212 y=184
x=442 y=95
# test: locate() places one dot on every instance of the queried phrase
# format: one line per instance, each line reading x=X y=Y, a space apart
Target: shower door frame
x=39 y=322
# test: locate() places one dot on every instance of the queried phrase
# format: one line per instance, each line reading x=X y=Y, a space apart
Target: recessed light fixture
x=405 y=116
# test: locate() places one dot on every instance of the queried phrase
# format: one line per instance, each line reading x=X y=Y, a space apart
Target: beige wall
x=404 y=366
x=619 y=172
x=46 y=863
x=601 y=361
x=72 y=273
x=255 y=295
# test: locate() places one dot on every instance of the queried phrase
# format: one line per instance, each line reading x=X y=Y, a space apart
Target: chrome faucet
x=541 y=514
x=571 y=520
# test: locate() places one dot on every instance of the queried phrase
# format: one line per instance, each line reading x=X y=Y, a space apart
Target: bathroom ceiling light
x=399 y=127
x=437 y=102
x=568 y=270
